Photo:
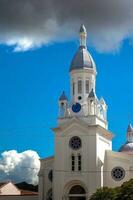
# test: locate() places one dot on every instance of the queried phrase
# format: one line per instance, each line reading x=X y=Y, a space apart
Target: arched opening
x=77 y=193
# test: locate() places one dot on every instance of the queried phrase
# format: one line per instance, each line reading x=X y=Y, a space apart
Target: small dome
x=127 y=148
x=63 y=97
x=82 y=60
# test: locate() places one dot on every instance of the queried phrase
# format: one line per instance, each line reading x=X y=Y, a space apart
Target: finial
x=82 y=29
x=83 y=36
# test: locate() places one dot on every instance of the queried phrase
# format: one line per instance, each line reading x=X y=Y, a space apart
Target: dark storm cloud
x=31 y=23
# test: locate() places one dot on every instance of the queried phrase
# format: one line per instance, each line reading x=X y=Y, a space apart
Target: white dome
x=127 y=148
x=82 y=60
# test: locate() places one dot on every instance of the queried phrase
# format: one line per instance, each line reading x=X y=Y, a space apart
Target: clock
x=76 y=107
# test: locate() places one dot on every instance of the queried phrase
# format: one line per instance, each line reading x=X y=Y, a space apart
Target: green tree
x=124 y=192
x=104 y=193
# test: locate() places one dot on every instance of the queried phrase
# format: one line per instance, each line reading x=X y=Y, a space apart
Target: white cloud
x=19 y=167
x=22 y=44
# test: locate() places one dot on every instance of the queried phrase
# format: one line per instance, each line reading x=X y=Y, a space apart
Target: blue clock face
x=76 y=107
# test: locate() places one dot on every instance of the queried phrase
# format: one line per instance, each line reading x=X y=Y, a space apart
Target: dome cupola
x=128 y=146
x=82 y=59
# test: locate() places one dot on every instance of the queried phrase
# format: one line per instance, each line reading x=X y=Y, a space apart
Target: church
x=83 y=160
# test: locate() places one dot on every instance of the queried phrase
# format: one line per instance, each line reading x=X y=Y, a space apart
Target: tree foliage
x=125 y=192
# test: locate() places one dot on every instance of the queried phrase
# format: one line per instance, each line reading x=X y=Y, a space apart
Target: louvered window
x=73 y=162
x=87 y=86
x=79 y=162
x=79 y=86
x=73 y=88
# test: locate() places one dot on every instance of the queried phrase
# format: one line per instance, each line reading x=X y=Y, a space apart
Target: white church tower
x=81 y=138
x=84 y=103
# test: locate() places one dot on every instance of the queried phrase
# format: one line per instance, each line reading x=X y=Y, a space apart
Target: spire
x=83 y=36
x=63 y=97
x=92 y=94
x=130 y=133
x=129 y=128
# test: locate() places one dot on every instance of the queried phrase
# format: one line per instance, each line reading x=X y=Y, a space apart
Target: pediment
x=73 y=126
x=77 y=125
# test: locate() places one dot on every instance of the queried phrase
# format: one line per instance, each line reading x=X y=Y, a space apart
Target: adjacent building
x=9 y=191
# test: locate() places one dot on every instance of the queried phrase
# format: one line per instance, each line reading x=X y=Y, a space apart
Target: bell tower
x=82 y=136
x=84 y=103
x=82 y=71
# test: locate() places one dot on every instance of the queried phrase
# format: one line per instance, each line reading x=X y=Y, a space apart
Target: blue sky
x=32 y=81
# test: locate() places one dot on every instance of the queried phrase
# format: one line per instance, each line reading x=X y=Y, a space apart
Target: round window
x=79 y=97
x=50 y=175
x=75 y=143
x=118 y=173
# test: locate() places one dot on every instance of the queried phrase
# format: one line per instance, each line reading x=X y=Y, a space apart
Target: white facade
x=84 y=160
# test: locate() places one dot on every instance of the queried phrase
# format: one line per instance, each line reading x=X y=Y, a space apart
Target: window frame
x=76 y=162
x=72 y=162
x=73 y=88
x=87 y=86
x=79 y=162
x=80 y=86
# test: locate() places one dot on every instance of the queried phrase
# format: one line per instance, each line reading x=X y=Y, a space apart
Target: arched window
x=77 y=189
x=79 y=162
x=73 y=162
x=87 y=86
x=77 y=193
x=79 y=86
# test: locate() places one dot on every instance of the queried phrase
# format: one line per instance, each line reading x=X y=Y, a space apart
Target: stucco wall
x=117 y=159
